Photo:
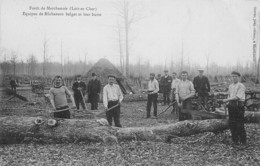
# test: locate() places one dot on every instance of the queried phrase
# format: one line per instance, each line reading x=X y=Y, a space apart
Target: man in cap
x=79 y=87
x=202 y=87
x=93 y=90
x=166 y=82
x=184 y=92
x=112 y=96
x=13 y=84
x=153 y=89
x=175 y=82
x=236 y=110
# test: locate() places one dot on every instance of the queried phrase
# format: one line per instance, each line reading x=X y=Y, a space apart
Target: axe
x=107 y=110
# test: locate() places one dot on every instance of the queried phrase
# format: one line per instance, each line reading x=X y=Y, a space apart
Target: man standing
x=58 y=97
x=166 y=81
x=94 y=88
x=13 y=85
x=153 y=89
x=202 y=87
x=236 y=110
x=158 y=78
x=184 y=92
x=175 y=82
x=79 y=87
x=112 y=96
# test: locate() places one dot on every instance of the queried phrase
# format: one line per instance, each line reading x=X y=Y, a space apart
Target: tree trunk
x=20 y=129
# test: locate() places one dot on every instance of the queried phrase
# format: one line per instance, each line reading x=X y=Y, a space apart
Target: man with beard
x=94 y=88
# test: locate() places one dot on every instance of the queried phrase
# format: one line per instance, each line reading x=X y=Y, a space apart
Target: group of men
x=182 y=91
x=93 y=90
x=112 y=97
x=170 y=86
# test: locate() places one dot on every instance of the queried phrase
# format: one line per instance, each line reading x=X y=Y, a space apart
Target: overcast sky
x=220 y=28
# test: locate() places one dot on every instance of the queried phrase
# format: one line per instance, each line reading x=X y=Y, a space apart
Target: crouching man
x=112 y=96
x=58 y=98
x=184 y=92
x=236 y=110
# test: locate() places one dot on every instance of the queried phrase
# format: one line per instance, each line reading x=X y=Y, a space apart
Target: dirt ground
x=202 y=149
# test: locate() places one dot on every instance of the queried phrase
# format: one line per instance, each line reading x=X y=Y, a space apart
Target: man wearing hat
x=93 y=90
x=202 y=87
x=236 y=109
x=166 y=82
x=79 y=87
x=153 y=89
x=112 y=96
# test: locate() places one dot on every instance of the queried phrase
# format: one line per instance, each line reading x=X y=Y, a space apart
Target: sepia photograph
x=130 y=82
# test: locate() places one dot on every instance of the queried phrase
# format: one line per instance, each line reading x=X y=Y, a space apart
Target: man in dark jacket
x=13 y=85
x=202 y=87
x=94 y=88
x=79 y=87
x=166 y=82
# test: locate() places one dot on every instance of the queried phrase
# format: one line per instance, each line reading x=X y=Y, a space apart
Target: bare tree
x=121 y=54
x=61 y=58
x=14 y=61
x=45 y=56
x=128 y=14
x=85 y=62
x=207 y=60
x=165 y=62
x=182 y=55
x=171 y=64
x=258 y=63
x=32 y=65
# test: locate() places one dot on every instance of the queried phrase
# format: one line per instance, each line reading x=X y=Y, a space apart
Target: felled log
x=21 y=129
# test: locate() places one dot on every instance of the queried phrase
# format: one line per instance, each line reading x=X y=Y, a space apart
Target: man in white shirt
x=184 y=92
x=112 y=96
x=236 y=110
x=175 y=82
x=153 y=88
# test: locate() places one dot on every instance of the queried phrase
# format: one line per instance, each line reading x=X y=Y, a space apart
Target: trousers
x=113 y=114
x=152 y=100
x=203 y=100
x=79 y=100
x=183 y=113
x=93 y=99
x=62 y=114
x=236 y=123
x=166 y=98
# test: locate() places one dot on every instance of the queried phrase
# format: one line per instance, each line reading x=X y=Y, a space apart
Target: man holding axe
x=58 y=98
x=79 y=87
x=112 y=98
x=153 y=89
x=236 y=109
x=184 y=92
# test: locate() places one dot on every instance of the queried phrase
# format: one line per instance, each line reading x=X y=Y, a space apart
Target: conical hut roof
x=102 y=69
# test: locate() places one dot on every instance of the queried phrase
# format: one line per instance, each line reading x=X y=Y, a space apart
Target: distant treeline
x=32 y=68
